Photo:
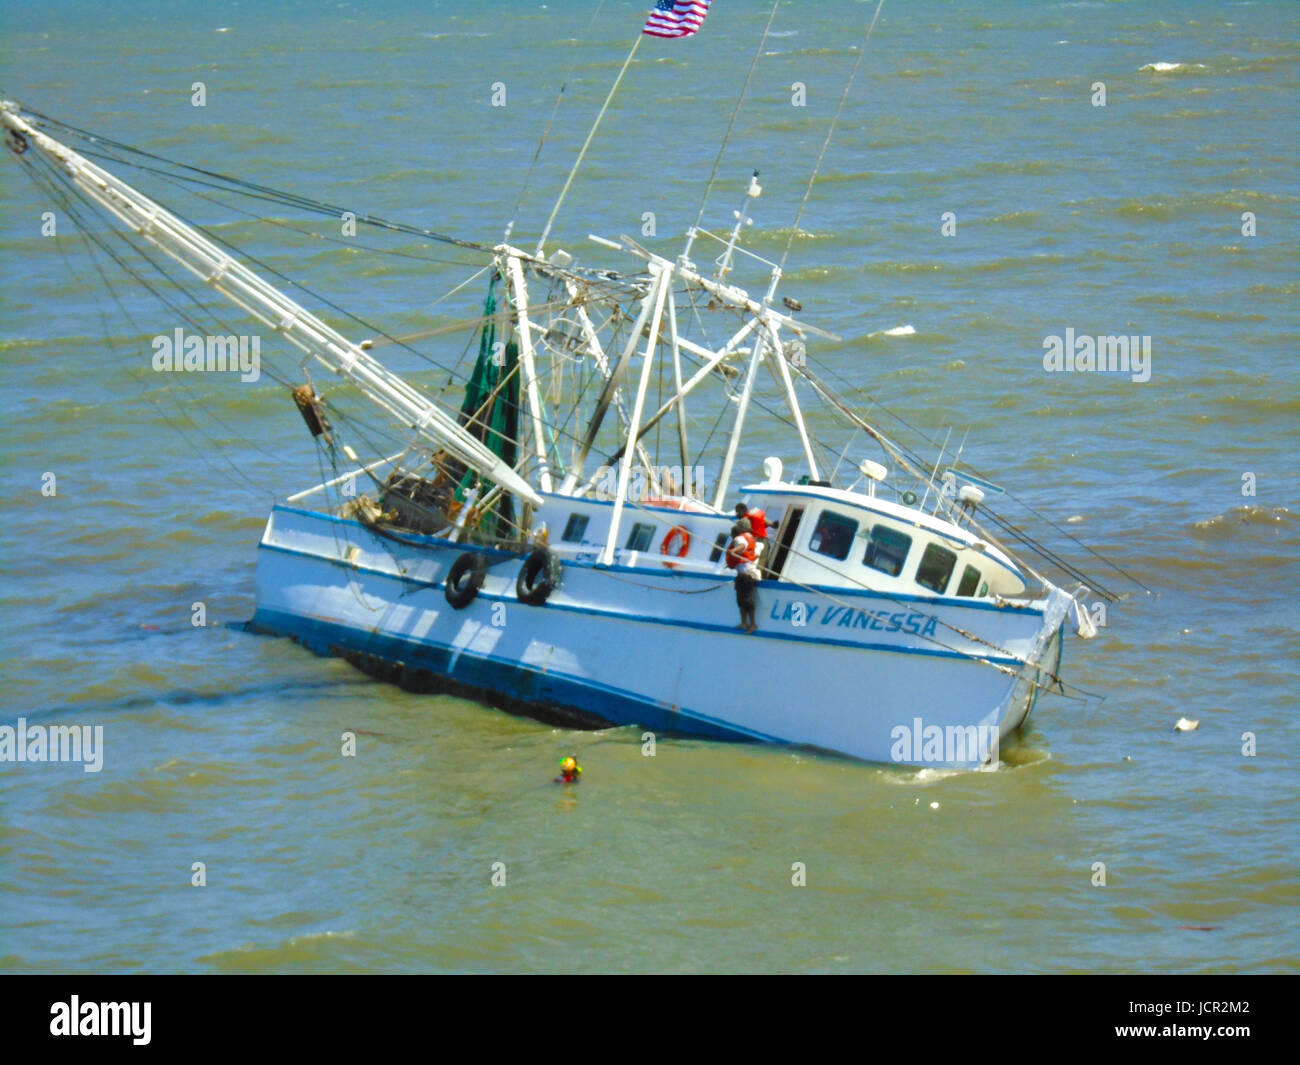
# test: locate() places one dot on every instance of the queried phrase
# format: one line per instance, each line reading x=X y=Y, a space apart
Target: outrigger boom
x=222 y=272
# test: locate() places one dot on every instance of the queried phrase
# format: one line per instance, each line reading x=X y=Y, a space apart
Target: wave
x=1248 y=520
x=852 y=50
x=1014 y=218
x=1171 y=68
x=1178 y=207
x=1020 y=166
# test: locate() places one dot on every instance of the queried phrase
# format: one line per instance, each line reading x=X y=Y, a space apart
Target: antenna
x=934 y=472
x=753 y=192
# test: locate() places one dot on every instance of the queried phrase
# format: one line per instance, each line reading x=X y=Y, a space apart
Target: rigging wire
x=91 y=242
x=830 y=132
x=547 y=131
x=735 y=111
x=541 y=243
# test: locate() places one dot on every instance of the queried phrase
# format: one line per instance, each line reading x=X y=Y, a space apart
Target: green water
x=224 y=748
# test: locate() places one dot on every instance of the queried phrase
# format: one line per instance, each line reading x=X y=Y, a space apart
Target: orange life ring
x=676 y=541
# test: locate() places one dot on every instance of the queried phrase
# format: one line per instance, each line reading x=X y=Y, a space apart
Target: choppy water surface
x=224 y=748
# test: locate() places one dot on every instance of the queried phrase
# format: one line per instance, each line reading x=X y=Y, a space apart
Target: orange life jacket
x=737 y=558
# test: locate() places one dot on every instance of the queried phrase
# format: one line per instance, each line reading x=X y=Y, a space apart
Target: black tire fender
x=464 y=579
x=538 y=577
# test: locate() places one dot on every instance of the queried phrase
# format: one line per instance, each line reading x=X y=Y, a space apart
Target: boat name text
x=801 y=614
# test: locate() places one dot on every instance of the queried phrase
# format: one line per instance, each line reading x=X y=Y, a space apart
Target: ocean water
x=224 y=748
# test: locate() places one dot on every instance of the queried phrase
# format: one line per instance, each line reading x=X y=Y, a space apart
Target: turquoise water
x=223 y=748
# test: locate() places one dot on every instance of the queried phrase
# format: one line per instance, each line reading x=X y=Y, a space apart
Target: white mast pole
x=662 y=283
x=783 y=374
x=603 y=365
x=677 y=386
x=528 y=365
x=610 y=392
x=713 y=359
x=724 y=478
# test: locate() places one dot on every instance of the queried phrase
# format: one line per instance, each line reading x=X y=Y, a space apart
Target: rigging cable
x=735 y=111
x=547 y=131
x=830 y=132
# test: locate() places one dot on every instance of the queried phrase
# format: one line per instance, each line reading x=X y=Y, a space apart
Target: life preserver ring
x=538 y=577
x=464 y=579
x=677 y=541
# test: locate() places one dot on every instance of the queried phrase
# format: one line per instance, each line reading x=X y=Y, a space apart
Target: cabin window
x=639 y=538
x=833 y=535
x=984 y=589
x=970 y=580
x=936 y=567
x=719 y=545
x=576 y=528
x=887 y=550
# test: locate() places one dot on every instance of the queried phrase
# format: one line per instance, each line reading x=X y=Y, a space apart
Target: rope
x=735 y=111
x=547 y=131
x=830 y=132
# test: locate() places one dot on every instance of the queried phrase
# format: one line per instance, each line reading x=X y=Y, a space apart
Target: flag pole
x=586 y=144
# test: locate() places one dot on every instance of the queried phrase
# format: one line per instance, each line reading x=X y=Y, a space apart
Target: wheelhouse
x=819 y=536
x=828 y=536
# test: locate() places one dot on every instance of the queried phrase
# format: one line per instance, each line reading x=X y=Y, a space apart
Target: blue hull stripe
x=890 y=648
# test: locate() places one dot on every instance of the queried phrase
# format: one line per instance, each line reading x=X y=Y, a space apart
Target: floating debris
x=1186 y=725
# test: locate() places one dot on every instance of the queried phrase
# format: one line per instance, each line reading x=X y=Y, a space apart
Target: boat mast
x=527 y=363
x=659 y=290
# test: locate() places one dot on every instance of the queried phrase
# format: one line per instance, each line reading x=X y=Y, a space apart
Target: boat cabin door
x=785 y=543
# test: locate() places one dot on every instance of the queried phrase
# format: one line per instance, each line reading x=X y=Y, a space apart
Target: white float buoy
x=1186 y=725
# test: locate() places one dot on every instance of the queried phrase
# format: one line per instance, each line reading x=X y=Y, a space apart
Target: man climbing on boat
x=758 y=527
x=742 y=556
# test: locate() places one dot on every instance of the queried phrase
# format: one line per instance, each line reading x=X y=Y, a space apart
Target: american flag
x=676 y=18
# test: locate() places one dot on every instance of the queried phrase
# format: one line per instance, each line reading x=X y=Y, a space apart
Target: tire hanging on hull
x=538 y=577
x=464 y=579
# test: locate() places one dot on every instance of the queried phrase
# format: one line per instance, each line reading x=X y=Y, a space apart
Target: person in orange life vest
x=569 y=771
x=742 y=554
x=756 y=518
x=758 y=525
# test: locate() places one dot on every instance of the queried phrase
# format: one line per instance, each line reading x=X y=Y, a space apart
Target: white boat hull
x=859 y=674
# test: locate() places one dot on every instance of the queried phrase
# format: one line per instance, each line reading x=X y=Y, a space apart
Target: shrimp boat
x=552 y=541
